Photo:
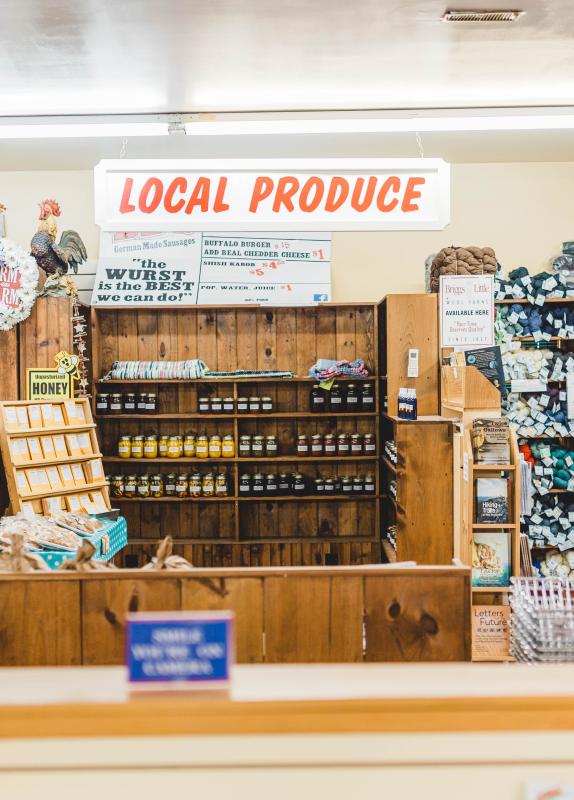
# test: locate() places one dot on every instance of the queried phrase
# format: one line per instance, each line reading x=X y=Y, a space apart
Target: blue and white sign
x=180 y=646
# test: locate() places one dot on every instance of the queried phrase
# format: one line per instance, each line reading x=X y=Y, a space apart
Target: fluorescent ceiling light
x=82 y=130
x=380 y=125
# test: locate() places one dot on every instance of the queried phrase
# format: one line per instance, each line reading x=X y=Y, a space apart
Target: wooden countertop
x=322 y=698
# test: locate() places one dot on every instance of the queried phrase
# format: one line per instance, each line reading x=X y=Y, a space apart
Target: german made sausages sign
x=272 y=195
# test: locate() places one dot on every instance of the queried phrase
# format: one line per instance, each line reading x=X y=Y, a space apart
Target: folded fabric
x=325 y=369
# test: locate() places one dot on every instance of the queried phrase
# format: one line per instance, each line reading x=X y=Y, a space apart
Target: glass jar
x=130 y=485
x=195 y=485
x=221 y=486
x=228 y=446
x=337 y=484
x=125 y=446
x=336 y=399
x=228 y=405
x=343 y=447
x=319 y=485
x=215 y=446
x=102 y=404
x=369 y=444
x=254 y=405
x=129 y=403
x=182 y=485
x=244 y=446
x=151 y=403
x=115 y=403
x=356 y=444
x=216 y=405
x=271 y=446
x=169 y=485
x=203 y=405
x=245 y=484
x=117 y=484
x=163 y=446
x=329 y=444
x=302 y=445
x=242 y=405
x=369 y=484
x=299 y=484
x=352 y=398
x=156 y=485
x=284 y=484
x=141 y=403
x=266 y=405
x=151 y=446
x=367 y=397
x=271 y=486
x=346 y=485
x=357 y=485
x=202 y=446
x=258 y=484
x=317 y=399
x=143 y=486
x=329 y=486
x=208 y=485
x=317 y=444
x=137 y=446
x=174 y=446
x=258 y=446
x=189 y=445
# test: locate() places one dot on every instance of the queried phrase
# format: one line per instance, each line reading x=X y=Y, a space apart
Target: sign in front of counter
x=272 y=194
x=180 y=647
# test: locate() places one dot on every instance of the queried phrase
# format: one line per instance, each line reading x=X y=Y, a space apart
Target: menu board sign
x=467 y=311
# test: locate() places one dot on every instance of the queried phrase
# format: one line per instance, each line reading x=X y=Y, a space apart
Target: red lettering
x=125 y=206
x=177 y=185
x=286 y=188
x=219 y=204
x=199 y=196
x=356 y=202
x=154 y=187
x=411 y=194
x=318 y=186
x=333 y=202
x=393 y=184
x=262 y=189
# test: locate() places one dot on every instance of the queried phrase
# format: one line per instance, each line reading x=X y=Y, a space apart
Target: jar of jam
x=369 y=484
x=242 y=405
x=195 y=485
x=336 y=399
x=141 y=403
x=137 y=446
x=317 y=399
x=343 y=446
x=329 y=444
x=174 y=447
x=125 y=447
x=151 y=448
x=202 y=446
x=151 y=404
x=271 y=446
x=356 y=444
x=284 y=484
x=367 y=397
x=228 y=446
x=319 y=485
x=143 y=486
x=216 y=405
x=258 y=484
x=169 y=485
x=156 y=485
x=254 y=405
x=182 y=485
x=215 y=446
x=130 y=485
x=346 y=485
x=266 y=405
x=352 y=399
x=117 y=484
x=302 y=445
x=162 y=446
x=189 y=445
x=369 y=444
x=228 y=405
x=102 y=404
x=258 y=446
x=221 y=487
x=317 y=444
x=271 y=486
x=208 y=485
x=329 y=486
x=299 y=484
x=203 y=405
x=129 y=403
x=244 y=446
x=357 y=485
x=245 y=484
x=115 y=404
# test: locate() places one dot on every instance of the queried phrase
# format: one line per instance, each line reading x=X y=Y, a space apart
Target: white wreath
x=14 y=257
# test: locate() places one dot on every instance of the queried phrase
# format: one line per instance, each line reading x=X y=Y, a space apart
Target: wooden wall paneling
x=243 y=596
x=44 y=333
x=417 y=618
x=226 y=342
x=206 y=337
x=106 y=602
x=266 y=338
x=9 y=385
x=40 y=623
x=286 y=348
x=346 y=618
x=366 y=336
x=346 y=333
x=108 y=339
x=147 y=328
x=292 y=633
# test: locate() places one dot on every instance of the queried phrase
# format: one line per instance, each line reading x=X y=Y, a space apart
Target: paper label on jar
x=302 y=449
x=330 y=448
x=370 y=448
x=347 y=488
x=170 y=487
x=317 y=448
x=258 y=488
x=267 y=407
x=343 y=448
x=357 y=448
x=352 y=400
x=130 y=406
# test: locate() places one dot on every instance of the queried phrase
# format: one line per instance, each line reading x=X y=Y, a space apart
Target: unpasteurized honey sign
x=272 y=194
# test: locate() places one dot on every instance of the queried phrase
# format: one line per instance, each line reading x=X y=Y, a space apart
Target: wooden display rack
x=36 y=500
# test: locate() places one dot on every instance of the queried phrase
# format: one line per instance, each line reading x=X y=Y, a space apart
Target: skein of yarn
x=462 y=261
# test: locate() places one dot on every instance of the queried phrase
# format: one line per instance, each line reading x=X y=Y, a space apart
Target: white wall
x=524 y=211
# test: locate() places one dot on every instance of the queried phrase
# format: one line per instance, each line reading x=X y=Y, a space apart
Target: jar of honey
x=130 y=485
x=175 y=447
x=156 y=486
x=215 y=446
x=254 y=405
x=228 y=446
x=189 y=445
x=181 y=486
x=202 y=446
x=163 y=446
x=151 y=448
x=208 y=485
x=169 y=485
x=143 y=487
x=137 y=446
x=195 y=485
x=125 y=447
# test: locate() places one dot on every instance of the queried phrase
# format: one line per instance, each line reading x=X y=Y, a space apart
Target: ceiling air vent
x=481 y=16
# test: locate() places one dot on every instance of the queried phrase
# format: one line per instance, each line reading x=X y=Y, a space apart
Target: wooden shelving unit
x=239 y=531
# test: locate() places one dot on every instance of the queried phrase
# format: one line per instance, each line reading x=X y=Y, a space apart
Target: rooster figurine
x=56 y=259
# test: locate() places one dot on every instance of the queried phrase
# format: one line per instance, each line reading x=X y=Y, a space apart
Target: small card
x=55 y=478
x=98 y=502
x=94 y=471
x=73 y=444
x=11 y=418
x=52 y=505
x=34 y=448
x=47 y=414
x=35 y=416
x=19 y=450
x=23 y=421
x=57 y=417
x=85 y=443
x=28 y=509
x=48 y=448
x=66 y=476
x=60 y=446
x=73 y=502
x=38 y=480
x=78 y=475
x=22 y=484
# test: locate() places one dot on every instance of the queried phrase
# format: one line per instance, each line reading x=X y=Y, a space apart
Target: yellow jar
x=208 y=485
x=150 y=447
x=189 y=445
x=125 y=447
x=162 y=446
x=175 y=447
x=137 y=446
x=215 y=447
x=202 y=447
x=228 y=446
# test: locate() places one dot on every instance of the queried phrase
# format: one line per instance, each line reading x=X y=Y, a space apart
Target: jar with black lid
x=356 y=444
x=367 y=397
x=129 y=403
x=271 y=485
x=228 y=405
x=115 y=403
x=242 y=405
x=266 y=405
x=317 y=399
x=169 y=486
x=284 y=484
x=329 y=444
x=369 y=444
x=346 y=485
x=102 y=404
x=336 y=399
x=245 y=484
x=130 y=485
x=258 y=446
x=352 y=398
x=343 y=447
x=319 y=485
x=258 y=484
x=369 y=484
x=216 y=405
x=329 y=486
x=357 y=485
x=244 y=446
x=302 y=445
x=203 y=405
x=141 y=403
x=271 y=447
x=337 y=484
x=317 y=444
x=254 y=405
x=151 y=403
x=299 y=484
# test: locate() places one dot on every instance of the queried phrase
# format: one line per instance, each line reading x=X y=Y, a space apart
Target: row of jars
x=341 y=444
x=171 y=485
x=176 y=446
x=349 y=398
x=298 y=484
x=229 y=405
x=127 y=403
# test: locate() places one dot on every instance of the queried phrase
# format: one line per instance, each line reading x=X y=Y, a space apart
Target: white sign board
x=189 y=268
x=467 y=310
x=272 y=194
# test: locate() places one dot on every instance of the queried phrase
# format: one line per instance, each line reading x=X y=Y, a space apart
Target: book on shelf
x=491 y=559
x=491 y=500
x=491 y=441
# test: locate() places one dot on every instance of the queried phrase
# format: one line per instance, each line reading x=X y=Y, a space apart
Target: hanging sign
x=467 y=310
x=56 y=383
x=180 y=646
x=212 y=269
x=272 y=194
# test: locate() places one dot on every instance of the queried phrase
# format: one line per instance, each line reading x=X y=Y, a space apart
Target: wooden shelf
x=491 y=589
x=258 y=417
x=309 y=498
x=494 y=467
x=491 y=526
x=389 y=464
x=541 y=341
x=50 y=431
x=253 y=460
x=263 y=540
x=152 y=541
x=524 y=301
x=87 y=487
x=208 y=380
x=53 y=462
x=229 y=499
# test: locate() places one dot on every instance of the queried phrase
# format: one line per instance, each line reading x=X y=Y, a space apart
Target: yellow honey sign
x=56 y=383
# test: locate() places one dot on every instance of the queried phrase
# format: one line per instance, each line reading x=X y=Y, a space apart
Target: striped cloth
x=325 y=369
